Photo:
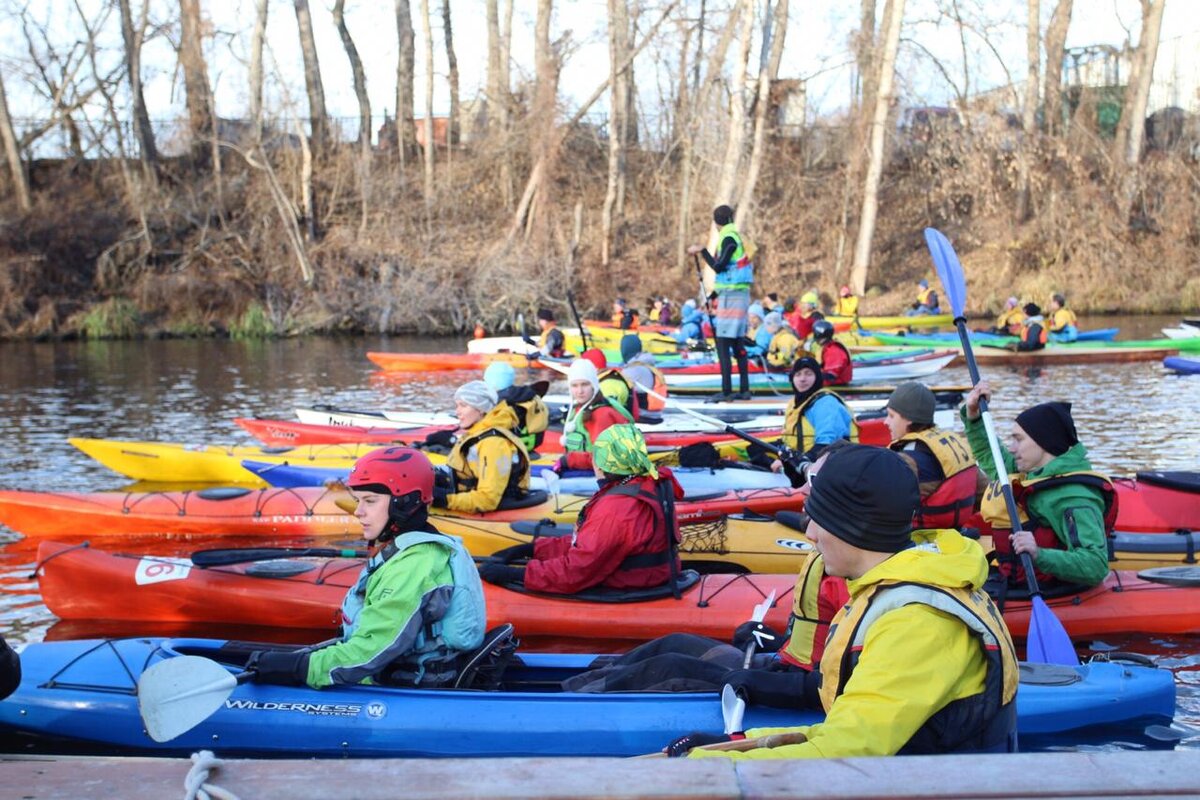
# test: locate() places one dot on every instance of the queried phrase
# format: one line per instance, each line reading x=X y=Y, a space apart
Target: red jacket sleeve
x=597 y=420
x=837 y=366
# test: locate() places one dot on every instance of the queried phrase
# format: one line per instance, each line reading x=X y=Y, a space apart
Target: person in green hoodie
x=919 y=660
x=1067 y=508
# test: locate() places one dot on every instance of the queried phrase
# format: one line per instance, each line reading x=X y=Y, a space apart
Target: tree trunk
x=683 y=134
x=735 y=139
x=147 y=151
x=452 y=129
x=1033 y=53
x=893 y=16
x=364 y=109
x=427 y=32
x=13 y=153
x=774 y=33
x=862 y=110
x=492 y=94
x=1133 y=116
x=545 y=103
x=1056 y=42
x=256 y=68
x=618 y=48
x=195 y=78
x=318 y=119
x=406 y=134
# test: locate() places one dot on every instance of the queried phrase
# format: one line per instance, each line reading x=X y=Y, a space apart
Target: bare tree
x=892 y=18
x=774 y=33
x=1033 y=54
x=364 y=107
x=1133 y=117
x=13 y=153
x=318 y=119
x=1056 y=41
x=544 y=143
x=256 y=67
x=406 y=136
x=618 y=48
x=452 y=132
x=862 y=107
x=735 y=137
x=427 y=30
x=147 y=151
x=492 y=94
x=195 y=78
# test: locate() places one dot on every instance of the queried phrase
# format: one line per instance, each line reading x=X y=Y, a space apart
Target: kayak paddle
x=1047 y=640
x=583 y=335
x=704 y=300
x=179 y=693
x=733 y=703
x=244 y=555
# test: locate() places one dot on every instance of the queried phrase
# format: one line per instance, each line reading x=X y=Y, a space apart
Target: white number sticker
x=157 y=570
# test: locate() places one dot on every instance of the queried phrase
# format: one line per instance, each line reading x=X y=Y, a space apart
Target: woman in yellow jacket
x=919 y=660
x=488 y=462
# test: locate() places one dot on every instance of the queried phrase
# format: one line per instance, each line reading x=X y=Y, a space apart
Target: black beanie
x=1032 y=310
x=545 y=314
x=1051 y=426
x=866 y=496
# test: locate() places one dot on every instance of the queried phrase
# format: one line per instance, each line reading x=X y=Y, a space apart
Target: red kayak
x=82 y=583
x=445 y=362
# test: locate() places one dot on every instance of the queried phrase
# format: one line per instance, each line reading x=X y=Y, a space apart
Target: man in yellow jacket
x=919 y=660
x=488 y=462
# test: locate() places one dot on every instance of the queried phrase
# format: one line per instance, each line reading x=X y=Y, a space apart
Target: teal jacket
x=1085 y=564
x=404 y=596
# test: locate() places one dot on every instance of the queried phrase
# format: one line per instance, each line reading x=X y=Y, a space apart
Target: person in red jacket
x=836 y=367
x=626 y=536
x=591 y=412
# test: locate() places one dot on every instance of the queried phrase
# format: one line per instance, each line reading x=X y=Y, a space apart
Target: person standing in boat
x=416 y=607
x=919 y=660
x=626 y=536
x=1067 y=508
x=591 y=412
x=837 y=368
x=945 y=467
x=735 y=276
x=847 y=303
x=551 y=341
x=488 y=463
x=1063 y=323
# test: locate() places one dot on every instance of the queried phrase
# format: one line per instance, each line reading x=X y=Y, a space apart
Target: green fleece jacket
x=410 y=591
x=1086 y=563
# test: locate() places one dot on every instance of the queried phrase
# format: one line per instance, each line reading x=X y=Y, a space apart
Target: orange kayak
x=444 y=362
x=82 y=583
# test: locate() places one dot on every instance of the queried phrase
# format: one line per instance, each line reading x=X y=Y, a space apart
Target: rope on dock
x=196 y=783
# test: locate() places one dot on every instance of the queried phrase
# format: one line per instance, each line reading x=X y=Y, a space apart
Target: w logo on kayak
x=376 y=710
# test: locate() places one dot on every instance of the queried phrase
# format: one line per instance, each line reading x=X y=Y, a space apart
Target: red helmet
x=597 y=357
x=399 y=470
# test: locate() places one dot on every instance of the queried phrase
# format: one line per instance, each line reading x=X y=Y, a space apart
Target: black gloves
x=683 y=744
x=440 y=493
x=500 y=574
x=440 y=439
x=766 y=638
x=280 y=667
x=517 y=552
x=793 y=688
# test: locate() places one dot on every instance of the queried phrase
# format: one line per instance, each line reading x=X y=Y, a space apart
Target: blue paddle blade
x=1048 y=642
x=945 y=261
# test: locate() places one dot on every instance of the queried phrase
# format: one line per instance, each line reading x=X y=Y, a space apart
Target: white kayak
x=867 y=373
x=1182 y=331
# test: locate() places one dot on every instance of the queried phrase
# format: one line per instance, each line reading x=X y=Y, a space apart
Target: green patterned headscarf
x=621 y=450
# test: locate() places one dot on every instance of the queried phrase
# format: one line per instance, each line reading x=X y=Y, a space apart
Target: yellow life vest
x=848 y=633
x=784 y=349
x=1011 y=320
x=794 y=420
x=804 y=625
x=1062 y=318
x=949 y=448
x=466 y=478
x=846 y=306
x=923 y=296
x=994 y=510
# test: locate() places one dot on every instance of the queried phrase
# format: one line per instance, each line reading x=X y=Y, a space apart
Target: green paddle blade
x=178 y=694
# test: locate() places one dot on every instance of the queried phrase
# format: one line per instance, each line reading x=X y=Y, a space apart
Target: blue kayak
x=1184 y=366
x=84 y=691
x=696 y=482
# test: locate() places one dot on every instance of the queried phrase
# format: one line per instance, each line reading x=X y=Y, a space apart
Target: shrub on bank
x=115 y=318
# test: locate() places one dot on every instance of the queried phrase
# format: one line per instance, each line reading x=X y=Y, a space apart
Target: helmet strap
x=405 y=513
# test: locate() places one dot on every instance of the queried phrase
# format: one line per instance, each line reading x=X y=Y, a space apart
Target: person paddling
x=551 y=341
x=919 y=661
x=735 y=276
x=1067 y=508
x=626 y=535
x=417 y=605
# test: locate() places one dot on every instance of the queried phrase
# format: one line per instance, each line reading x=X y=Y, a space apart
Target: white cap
x=583 y=370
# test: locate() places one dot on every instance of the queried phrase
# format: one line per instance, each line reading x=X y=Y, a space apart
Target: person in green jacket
x=1067 y=508
x=417 y=606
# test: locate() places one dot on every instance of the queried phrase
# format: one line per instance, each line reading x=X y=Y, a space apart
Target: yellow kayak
x=895 y=321
x=610 y=339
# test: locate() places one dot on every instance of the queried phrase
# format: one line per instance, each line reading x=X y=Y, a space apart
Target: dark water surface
x=1130 y=416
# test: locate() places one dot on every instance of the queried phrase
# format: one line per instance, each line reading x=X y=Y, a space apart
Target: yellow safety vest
x=794 y=420
x=994 y=510
x=467 y=478
x=949 y=448
x=1062 y=318
x=804 y=625
x=846 y=306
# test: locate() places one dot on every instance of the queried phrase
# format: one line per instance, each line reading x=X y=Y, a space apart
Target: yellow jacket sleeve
x=915 y=661
x=492 y=467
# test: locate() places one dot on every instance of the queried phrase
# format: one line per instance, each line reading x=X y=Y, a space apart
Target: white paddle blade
x=178 y=694
x=732 y=709
x=760 y=610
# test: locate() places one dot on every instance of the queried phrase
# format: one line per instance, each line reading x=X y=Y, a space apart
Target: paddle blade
x=1048 y=641
x=733 y=707
x=949 y=270
x=179 y=693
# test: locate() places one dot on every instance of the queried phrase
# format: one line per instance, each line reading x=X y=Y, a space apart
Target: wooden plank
x=1034 y=775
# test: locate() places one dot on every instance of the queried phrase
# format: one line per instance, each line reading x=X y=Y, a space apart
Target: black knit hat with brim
x=866 y=496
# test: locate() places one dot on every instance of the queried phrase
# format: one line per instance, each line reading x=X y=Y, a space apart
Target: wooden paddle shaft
x=741 y=745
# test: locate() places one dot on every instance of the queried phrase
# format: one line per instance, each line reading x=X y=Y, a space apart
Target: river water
x=1131 y=417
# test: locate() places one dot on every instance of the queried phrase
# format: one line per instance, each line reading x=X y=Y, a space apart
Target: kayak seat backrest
x=483 y=668
x=1037 y=674
x=796 y=520
x=529 y=500
x=1180 y=480
x=541 y=527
